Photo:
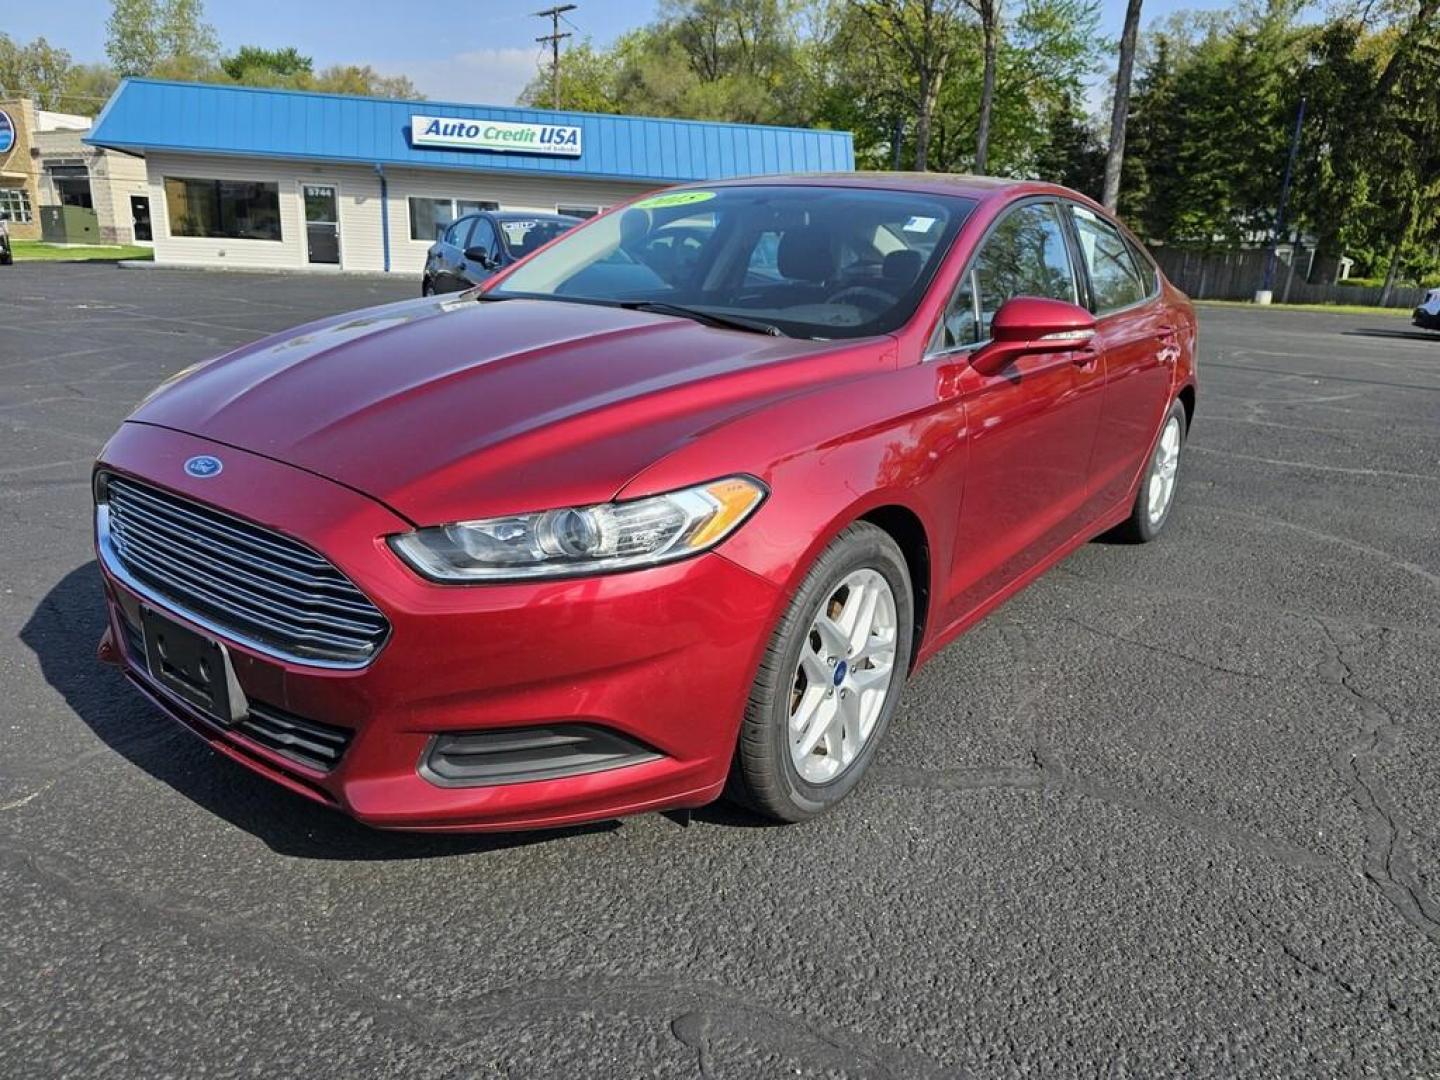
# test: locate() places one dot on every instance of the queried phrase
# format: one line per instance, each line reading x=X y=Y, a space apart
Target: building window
x=235 y=209
x=71 y=180
x=15 y=205
x=429 y=218
x=578 y=211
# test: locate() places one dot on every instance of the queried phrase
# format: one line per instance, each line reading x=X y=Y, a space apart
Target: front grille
x=306 y=742
x=261 y=588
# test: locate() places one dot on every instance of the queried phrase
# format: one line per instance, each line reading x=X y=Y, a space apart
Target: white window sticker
x=515 y=230
x=918 y=224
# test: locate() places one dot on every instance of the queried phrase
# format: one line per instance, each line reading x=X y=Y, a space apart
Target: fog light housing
x=517 y=755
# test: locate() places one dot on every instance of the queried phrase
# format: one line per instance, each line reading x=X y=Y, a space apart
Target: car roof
x=517 y=215
x=975 y=187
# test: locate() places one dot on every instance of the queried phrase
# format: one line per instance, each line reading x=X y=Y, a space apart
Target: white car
x=1427 y=315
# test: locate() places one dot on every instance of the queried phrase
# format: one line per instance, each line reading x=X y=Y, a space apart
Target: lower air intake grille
x=509 y=756
x=307 y=742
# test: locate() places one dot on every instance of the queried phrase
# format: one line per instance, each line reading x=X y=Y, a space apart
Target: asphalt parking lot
x=1172 y=811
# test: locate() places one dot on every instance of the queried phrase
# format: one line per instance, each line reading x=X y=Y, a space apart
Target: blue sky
x=475 y=51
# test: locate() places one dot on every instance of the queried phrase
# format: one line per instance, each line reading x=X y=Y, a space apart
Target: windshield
x=814 y=261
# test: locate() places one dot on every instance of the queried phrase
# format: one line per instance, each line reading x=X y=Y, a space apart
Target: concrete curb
x=292 y=271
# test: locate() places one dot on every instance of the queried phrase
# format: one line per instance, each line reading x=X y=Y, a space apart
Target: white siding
x=361 y=242
x=359 y=212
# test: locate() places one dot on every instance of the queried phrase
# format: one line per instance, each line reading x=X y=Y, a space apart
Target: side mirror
x=480 y=255
x=1033 y=324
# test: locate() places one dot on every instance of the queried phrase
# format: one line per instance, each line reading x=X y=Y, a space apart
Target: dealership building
x=261 y=178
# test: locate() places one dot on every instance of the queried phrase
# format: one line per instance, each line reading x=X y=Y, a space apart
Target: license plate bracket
x=194 y=667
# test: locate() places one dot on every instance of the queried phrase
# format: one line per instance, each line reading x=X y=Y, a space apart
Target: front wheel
x=1157 y=487
x=829 y=681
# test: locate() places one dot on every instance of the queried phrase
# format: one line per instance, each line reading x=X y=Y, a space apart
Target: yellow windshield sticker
x=674 y=198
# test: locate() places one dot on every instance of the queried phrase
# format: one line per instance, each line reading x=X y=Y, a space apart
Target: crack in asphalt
x=1343 y=541
x=1151 y=591
x=1386 y=863
x=1048 y=771
x=1174 y=654
x=1314 y=466
x=692 y=1012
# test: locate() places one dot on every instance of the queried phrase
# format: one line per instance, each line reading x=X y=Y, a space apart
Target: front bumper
x=663 y=657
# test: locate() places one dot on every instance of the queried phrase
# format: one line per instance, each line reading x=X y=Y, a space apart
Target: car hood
x=451 y=408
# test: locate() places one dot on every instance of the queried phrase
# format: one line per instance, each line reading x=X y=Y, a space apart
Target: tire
x=427 y=288
x=1142 y=525
x=863 y=561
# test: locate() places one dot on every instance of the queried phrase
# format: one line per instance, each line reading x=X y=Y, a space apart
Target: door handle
x=1085 y=356
x=1169 y=352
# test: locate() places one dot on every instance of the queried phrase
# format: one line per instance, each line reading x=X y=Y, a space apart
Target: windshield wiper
x=709 y=318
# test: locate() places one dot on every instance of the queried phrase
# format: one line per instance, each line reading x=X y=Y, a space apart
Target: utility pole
x=1275 y=234
x=554 y=38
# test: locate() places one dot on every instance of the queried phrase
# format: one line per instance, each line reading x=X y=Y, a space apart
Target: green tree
x=1071 y=153
x=1212 y=123
x=133 y=37
x=188 y=45
x=37 y=70
x=704 y=59
x=913 y=46
x=1044 y=57
x=1155 y=131
x=256 y=66
x=87 y=88
x=364 y=81
x=589 y=81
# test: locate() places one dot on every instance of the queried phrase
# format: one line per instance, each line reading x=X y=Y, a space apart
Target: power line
x=554 y=38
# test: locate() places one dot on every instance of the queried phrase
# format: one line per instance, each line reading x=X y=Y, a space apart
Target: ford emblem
x=204 y=466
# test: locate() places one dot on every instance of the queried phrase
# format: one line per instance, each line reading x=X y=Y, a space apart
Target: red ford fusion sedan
x=673 y=507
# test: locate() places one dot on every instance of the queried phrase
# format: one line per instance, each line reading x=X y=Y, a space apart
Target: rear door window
x=1114 y=277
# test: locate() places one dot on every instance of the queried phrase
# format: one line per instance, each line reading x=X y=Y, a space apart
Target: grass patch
x=37 y=251
x=1334 y=309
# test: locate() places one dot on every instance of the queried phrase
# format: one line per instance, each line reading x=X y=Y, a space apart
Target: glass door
x=322 y=223
x=140 y=218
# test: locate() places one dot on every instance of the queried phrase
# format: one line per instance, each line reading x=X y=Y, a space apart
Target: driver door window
x=484 y=238
x=1024 y=255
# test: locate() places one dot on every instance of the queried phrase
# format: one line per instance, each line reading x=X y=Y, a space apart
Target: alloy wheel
x=1164 y=468
x=844 y=675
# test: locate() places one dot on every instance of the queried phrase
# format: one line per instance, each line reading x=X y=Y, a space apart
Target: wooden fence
x=1235 y=275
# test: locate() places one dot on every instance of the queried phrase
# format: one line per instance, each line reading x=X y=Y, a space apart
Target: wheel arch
x=904 y=526
x=1187 y=399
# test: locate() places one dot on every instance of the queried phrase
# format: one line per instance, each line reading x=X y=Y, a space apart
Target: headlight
x=584 y=540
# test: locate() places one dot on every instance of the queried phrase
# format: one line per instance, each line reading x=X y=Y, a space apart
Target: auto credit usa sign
x=495 y=135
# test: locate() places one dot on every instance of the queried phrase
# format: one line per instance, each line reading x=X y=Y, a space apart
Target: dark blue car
x=475 y=246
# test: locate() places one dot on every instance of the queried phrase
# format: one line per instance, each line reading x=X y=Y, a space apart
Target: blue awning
x=204 y=118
